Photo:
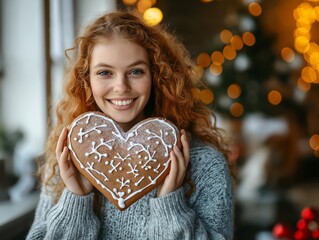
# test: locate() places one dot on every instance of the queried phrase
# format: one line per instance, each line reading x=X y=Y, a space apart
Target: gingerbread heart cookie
x=123 y=166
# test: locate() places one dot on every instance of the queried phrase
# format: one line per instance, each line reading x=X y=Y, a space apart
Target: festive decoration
x=306 y=15
x=240 y=68
x=282 y=231
x=306 y=228
x=151 y=15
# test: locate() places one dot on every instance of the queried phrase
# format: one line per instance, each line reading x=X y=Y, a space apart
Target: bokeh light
x=287 y=54
x=225 y=36
x=249 y=39
x=129 y=2
x=143 y=5
x=303 y=86
x=229 y=52
x=216 y=69
x=305 y=16
x=234 y=91
x=274 y=97
x=203 y=60
x=217 y=56
x=206 y=96
x=236 y=42
x=302 y=44
x=153 y=16
x=314 y=141
x=309 y=74
x=236 y=109
x=255 y=9
x=196 y=93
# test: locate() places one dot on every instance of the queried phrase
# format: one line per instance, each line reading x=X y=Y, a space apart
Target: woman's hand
x=71 y=177
x=179 y=163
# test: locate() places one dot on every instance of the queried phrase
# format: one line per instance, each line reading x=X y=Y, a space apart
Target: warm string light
x=233 y=44
x=151 y=15
x=287 y=54
x=306 y=15
x=274 y=97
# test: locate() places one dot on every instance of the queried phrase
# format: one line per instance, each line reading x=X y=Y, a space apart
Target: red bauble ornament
x=302 y=224
x=308 y=214
x=301 y=235
x=315 y=234
x=281 y=231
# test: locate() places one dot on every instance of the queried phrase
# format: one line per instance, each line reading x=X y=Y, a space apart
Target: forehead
x=118 y=50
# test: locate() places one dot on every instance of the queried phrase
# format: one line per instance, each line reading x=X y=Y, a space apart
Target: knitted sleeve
x=71 y=218
x=208 y=213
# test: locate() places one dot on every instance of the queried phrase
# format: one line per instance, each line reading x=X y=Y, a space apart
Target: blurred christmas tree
x=244 y=72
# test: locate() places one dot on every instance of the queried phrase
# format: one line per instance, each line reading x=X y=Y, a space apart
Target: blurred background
x=259 y=67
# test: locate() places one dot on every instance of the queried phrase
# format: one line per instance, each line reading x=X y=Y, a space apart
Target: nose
x=121 y=84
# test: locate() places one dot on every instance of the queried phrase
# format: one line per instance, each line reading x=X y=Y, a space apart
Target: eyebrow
x=138 y=62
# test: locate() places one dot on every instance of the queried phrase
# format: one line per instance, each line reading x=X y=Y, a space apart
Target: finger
x=174 y=169
x=180 y=158
x=63 y=162
x=185 y=145
x=181 y=165
x=61 y=143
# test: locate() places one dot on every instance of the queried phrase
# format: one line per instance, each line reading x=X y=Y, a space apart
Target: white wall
x=86 y=10
x=23 y=83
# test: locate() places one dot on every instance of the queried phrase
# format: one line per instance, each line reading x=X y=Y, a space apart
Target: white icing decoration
x=114 y=167
x=133 y=170
x=139 y=181
x=123 y=182
x=152 y=180
x=156 y=169
x=143 y=149
x=94 y=149
x=121 y=202
x=160 y=137
x=91 y=168
x=118 y=156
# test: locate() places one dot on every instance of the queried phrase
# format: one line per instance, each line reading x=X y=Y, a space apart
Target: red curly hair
x=173 y=74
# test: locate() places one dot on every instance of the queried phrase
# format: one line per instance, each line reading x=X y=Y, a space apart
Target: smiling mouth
x=121 y=102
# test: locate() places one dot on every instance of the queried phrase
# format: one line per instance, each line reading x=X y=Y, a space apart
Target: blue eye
x=104 y=73
x=137 y=71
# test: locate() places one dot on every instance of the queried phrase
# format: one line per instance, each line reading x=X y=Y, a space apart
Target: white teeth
x=122 y=103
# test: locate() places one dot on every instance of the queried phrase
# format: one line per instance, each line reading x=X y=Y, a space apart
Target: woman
x=130 y=72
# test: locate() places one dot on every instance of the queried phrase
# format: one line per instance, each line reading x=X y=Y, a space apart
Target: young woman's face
x=120 y=79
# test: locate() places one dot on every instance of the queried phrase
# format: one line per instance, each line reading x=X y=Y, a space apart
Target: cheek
x=97 y=90
x=146 y=88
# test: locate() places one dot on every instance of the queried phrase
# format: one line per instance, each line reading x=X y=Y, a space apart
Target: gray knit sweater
x=207 y=214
